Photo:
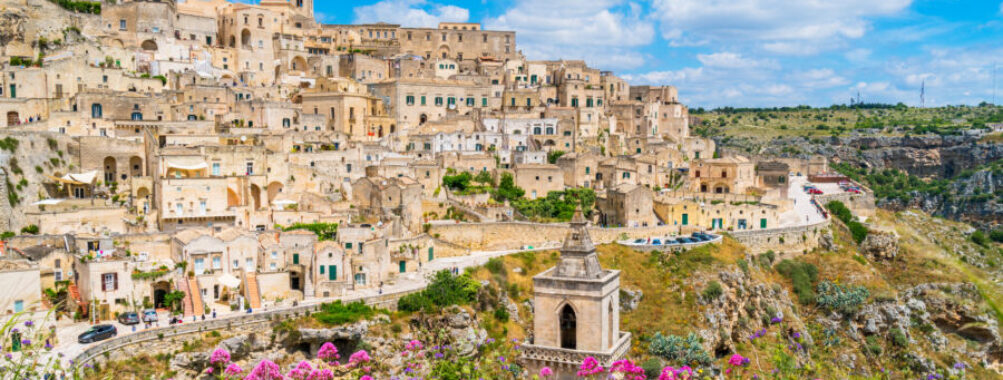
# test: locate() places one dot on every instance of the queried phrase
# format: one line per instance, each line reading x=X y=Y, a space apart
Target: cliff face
x=971 y=198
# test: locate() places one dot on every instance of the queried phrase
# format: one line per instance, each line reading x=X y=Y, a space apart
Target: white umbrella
x=229 y=281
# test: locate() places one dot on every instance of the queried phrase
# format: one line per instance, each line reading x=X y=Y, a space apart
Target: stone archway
x=256 y=197
x=160 y=291
x=149 y=45
x=110 y=169
x=273 y=189
x=245 y=39
x=232 y=200
x=136 y=166
x=568 y=325
x=298 y=63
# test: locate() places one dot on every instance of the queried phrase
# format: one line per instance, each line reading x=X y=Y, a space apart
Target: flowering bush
x=681 y=373
x=265 y=370
x=629 y=370
x=219 y=357
x=328 y=352
x=26 y=356
x=590 y=366
x=546 y=372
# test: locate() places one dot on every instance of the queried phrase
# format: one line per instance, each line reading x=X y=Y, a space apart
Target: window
x=236 y=264
x=109 y=282
x=199 y=266
x=58 y=275
x=272 y=266
x=216 y=263
x=470 y=102
x=348 y=245
x=250 y=168
x=423 y=100
x=438 y=100
x=296 y=258
x=215 y=168
x=484 y=102
x=410 y=100
x=96 y=110
x=121 y=24
x=332 y=272
x=249 y=263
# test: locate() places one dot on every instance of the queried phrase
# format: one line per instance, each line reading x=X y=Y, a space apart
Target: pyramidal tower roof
x=578 y=254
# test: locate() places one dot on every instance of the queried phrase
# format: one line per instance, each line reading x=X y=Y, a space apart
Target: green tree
x=507 y=190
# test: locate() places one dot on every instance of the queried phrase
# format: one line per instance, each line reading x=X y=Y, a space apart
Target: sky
x=744 y=53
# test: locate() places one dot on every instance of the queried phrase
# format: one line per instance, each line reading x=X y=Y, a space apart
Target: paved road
x=67 y=331
x=803 y=211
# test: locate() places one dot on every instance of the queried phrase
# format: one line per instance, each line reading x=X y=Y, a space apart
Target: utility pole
x=922 y=95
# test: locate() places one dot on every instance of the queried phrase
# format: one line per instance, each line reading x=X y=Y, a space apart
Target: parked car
x=128 y=318
x=97 y=333
x=656 y=242
x=639 y=241
x=686 y=240
x=149 y=316
x=814 y=191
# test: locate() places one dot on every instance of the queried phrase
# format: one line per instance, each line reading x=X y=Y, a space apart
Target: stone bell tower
x=576 y=309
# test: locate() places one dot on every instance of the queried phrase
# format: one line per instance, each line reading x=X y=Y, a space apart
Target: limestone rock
x=880 y=245
x=191 y=361
x=826 y=241
x=629 y=299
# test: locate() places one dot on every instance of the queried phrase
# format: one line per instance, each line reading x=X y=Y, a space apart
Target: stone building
x=576 y=307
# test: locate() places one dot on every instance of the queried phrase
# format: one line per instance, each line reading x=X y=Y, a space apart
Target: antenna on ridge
x=922 y=95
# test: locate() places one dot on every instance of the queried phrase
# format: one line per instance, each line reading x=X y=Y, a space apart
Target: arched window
x=568 y=327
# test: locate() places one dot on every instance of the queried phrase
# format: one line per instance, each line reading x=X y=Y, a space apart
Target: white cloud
x=781 y=26
x=732 y=61
x=410 y=13
x=605 y=33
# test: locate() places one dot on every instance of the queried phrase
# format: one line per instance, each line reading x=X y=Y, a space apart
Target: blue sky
x=745 y=52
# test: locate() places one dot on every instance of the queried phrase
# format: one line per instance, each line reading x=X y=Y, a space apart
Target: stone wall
x=860 y=204
x=782 y=240
x=519 y=235
x=123 y=347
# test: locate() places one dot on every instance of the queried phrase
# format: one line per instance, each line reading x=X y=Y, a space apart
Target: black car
x=96 y=333
x=128 y=318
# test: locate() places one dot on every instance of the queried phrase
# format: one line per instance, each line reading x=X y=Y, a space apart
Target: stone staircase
x=251 y=292
x=196 y=296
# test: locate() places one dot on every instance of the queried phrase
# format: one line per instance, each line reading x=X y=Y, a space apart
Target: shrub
x=996 y=235
x=495 y=265
x=501 y=314
x=30 y=229
x=324 y=231
x=444 y=289
x=978 y=237
x=898 y=337
x=802 y=276
x=652 y=368
x=839 y=210
x=712 y=291
x=873 y=346
x=743 y=265
x=679 y=350
x=337 y=313
x=845 y=299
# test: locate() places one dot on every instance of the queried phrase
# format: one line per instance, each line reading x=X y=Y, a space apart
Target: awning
x=47 y=202
x=229 y=281
x=200 y=165
x=77 y=178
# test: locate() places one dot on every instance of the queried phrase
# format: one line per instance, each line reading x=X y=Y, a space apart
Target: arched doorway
x=245 y=39
x=149 y=45
x=232 y=199
x=160 y=290
x=569 y=328
x=13 y=118
x=422 y=119
x=298 y=63
x=109 y=169
x=136 y=166
x=256 y=196
x=273 y=189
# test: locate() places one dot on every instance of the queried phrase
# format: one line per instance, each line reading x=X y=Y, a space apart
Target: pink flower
x=681 y=373
x=358 y=358
x=325 y=374
x=546 y=372
x=737 y=360
x=304 y=366
x=628 y=368
x=328 y=352
x=366 y=377
x=413 y=345
x=590 y=366
x=265 y=370
x=208 y=370
x=219 y=357
x=233 y=370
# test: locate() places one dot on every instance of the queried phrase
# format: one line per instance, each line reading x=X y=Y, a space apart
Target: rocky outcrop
x=629 y=299
x=880 y=245
x=745 y=306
